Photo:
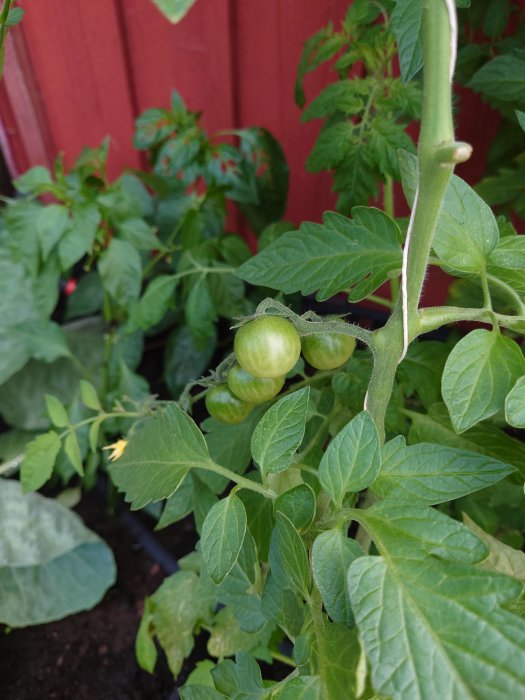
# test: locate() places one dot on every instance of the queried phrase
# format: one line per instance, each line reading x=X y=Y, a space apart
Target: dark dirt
x=91 y=655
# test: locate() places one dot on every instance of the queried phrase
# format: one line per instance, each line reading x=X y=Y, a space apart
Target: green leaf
x=39 y=460
x=174 y=10
x=521 y=118
x=406 y=23
x=228 y=638
x=14 y=16
x=51 y=566
x=145 y=649
x=89 y=395
x=154 y=303
x=80 y=236
x=502 y=79
x=241 y=590
x=56 y=411
x=300 y=688
x=407 y=530
x=200 y=314
x=331 y=147
x=331 y=257
x=152 y=127
x=485 y=438
x=140 y=234
x=338 y=656
x=298 y=504
x=479 y=373
x=37 y=180
x=332 y=554
x=51 y=225
x=45 y=340
x=501 y=557
x=467 y=230
x=120 y=268
x=294 y=557
x=427 y=473
x=418 y=619
x=88 y=297
x=178 y=505
x=346 y=96
x=222 y=537
x=200 y=692
x=281 y=605
x=240 y=680
x=177 y=607
x=160 y=451
x=72 y=450
x=515 y=404
x=352 y=460
x=421 y=370
x=184 y=361
x=280 y=432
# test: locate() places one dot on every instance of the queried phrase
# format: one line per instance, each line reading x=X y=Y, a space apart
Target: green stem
x=436 y=316
x=380 y=300
x=437 y=155
x=283 y=658
x=241 y=481
x=3 y=29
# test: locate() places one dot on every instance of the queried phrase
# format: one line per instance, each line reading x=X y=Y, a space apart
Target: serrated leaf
x=352 y=460
x=331 y=257
x=346 y=96
x=479 y=373
x=222 y=536
x=515 y=404
x=418 y=619
x=430 y=474
x=407 y=530
x=332 y=554
x=280 y=432
x=484 y=438
x=56 y=411
x=51 y=565
x=160 y=451
x=406 y=20
x=240 y=680
x=503 y=79
x=152 y=127
x=300 y=688
x=501 y=557
x=39 y=460
x=331 y=147
x=200 y=692
x=178 y=505
x=34 y=180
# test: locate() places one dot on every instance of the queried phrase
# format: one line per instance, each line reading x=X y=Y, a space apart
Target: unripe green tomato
x=327 y=350
x=252 y=389
x=267 y=347
x=225 y=406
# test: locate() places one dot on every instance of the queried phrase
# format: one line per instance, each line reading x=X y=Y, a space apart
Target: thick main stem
x=437 y=155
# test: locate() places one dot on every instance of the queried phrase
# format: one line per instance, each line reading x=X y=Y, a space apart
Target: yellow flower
x=117 y=449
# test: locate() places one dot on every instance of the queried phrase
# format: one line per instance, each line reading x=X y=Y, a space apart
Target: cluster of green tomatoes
x=266 y=349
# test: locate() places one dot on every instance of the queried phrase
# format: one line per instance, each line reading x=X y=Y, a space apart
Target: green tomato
x=327 y=350
x=225 y=406
x=252 y=389
x=267 y=347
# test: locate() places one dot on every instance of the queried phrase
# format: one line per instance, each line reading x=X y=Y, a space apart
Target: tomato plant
x=224 y=405
x=267 y=347
x=252 y=389
x=327 y=351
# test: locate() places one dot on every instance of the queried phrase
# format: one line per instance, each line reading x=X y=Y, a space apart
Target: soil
x=91 y=655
